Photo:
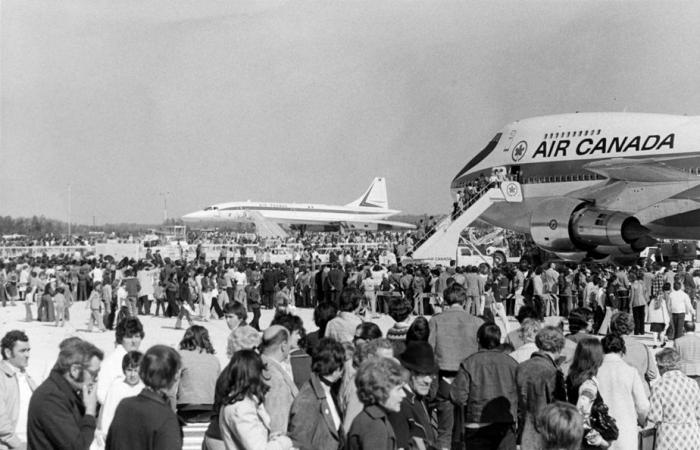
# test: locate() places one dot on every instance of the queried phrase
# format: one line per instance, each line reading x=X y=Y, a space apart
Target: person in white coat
x=622 y=389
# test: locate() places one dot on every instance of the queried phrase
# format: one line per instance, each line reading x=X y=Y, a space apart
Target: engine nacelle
x=569 y=225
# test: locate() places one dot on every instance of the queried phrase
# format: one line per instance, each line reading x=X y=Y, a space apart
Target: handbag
x=601 y=421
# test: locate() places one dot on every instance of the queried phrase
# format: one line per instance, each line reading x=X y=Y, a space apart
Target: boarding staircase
x=439 y=245
x=265 y=228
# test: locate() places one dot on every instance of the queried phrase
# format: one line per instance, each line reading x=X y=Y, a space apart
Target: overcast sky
x=305 y=101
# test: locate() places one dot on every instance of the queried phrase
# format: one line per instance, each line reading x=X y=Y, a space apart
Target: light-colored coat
x=688 y=346
x=279 y=399
x=622 y=389
x=245 y=425
x=9 y=412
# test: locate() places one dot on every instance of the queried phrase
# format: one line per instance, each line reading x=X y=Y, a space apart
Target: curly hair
x=197 y=338
x=668 y=359
x=9 y=340
x=376 y=377
x=613 y=343
x=550 y=339
x=369 y=349
x=529 y=329
x=622 y=324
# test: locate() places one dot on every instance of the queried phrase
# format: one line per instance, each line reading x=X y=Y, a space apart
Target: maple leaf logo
x=519 y=151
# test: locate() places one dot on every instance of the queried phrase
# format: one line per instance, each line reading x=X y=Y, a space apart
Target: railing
x=453 y=215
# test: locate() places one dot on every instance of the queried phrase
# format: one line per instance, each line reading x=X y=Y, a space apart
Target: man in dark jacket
x=314 y=420
x=485 y=386
x=412 y=423
x=63 y=408
x=267 y=287
x=540 y=382
x=334 y=283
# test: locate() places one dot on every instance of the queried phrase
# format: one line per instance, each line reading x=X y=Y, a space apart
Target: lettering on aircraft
x=602 y=146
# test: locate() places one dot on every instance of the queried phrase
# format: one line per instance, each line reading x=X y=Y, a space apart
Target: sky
x=111 y=107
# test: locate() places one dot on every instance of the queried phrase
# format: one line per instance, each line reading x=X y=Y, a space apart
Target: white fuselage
x=288 y=213
x=547 y=155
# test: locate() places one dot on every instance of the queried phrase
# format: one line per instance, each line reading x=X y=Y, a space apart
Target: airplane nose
x=193 y=217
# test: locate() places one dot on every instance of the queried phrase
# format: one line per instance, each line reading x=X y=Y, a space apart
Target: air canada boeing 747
x=596 y=184
x=369 y=212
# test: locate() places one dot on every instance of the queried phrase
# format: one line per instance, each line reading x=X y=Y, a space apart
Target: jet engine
x=567 y=225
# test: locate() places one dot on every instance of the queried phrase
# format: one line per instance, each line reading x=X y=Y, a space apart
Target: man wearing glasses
x=63 y=408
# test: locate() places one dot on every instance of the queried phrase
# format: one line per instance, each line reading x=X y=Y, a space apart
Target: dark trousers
x=564 y=305
x=449 y=424
x=638 y=314
x=160 y=304
x=510 y=305
x=498 y=436
x=267 y=298
x=255 y=323
x=624 y=297
x=173 y=309
x=215 y=306
x=678 y=322
x=144 y=305
x=538 y=304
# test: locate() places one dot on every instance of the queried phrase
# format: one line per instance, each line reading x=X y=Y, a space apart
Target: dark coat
x=412 y=421
x=371 y=430
x=144 y=422
x=57 y=419
x=301 y=367
x=311 y=425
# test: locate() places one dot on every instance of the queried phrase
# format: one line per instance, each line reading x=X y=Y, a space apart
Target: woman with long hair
x=243 y=420
x=200 y=368
x=582 y=386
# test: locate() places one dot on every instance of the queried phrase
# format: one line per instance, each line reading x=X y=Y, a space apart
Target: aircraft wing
x=381 y=224
x=634 y=185
x=649 y=170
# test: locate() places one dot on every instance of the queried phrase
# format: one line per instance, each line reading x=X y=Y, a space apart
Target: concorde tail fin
x=374 y=197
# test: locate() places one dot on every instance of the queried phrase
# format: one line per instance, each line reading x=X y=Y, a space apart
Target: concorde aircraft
x=596 y=184
x=369 y=212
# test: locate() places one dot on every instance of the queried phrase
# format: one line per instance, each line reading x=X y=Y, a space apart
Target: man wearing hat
x=411 y=423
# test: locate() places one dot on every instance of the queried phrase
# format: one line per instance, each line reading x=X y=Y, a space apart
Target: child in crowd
x=120 y=389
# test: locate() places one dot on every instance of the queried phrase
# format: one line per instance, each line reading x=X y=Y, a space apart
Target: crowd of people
x=450 y=372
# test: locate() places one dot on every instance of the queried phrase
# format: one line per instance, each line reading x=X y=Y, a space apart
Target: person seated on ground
x=236 y=316
x=243 y=420
x=299 y=360
x=130 y=386
x=314 y=421
x=147 y=420
x=412 y=423
x=560 y=426
x=200 y=369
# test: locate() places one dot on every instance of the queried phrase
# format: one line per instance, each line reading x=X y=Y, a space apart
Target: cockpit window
x=208 y=208
x=481 y=155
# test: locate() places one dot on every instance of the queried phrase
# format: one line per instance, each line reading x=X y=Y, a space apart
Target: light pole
x=165 y=205
x=70 y=199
